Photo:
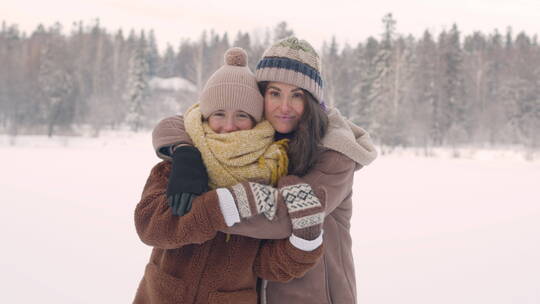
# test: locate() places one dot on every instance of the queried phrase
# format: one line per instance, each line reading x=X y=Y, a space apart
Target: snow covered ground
x=426 y=230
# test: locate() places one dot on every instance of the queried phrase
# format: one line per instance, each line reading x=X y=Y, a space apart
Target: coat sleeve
x=169 y=132
x=332 y=174
x=158 y=227
x=279 y=260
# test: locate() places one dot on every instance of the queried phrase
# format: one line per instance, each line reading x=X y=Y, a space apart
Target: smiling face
x=226 y=121
x=283 y=106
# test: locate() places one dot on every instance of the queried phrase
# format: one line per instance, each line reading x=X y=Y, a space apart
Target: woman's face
x=283 y=106
x=226 y=121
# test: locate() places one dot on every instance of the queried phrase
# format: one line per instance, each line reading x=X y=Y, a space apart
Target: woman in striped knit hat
x=324 y=151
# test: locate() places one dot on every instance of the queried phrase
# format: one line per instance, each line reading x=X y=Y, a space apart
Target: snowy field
x=426 y=230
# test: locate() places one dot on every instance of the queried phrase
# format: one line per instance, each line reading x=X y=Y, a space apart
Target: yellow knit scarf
x=230 y=158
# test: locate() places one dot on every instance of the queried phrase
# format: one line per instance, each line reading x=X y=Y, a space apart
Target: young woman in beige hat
x=191 y=261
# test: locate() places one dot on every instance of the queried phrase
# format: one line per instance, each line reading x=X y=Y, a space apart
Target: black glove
x=188 y=179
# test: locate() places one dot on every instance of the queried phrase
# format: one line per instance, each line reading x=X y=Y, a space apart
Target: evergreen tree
x=56 y=86
x=493 y=118
x=282 y=31
x=11 y=79
x=347 y=74
x=168 y=66
x=381 y=96
x=152 y=54
x=186 y=61
x=136 y=93
x=525 y=104
x=424 y=92
x=364 y=68
x=450 y=109
x=332 y=64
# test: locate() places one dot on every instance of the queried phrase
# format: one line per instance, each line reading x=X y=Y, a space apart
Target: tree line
x=441 y=88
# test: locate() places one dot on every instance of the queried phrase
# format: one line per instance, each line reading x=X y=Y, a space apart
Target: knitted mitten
x=254 y=198
x=305 y=208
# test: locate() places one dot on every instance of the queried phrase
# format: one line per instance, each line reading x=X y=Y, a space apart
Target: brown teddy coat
x=194 y=263
x=332 y=279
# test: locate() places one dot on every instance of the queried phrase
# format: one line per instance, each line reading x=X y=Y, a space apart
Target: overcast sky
x=349 y=20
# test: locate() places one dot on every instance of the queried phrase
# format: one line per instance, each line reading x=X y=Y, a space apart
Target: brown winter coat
x=332 y=280
x=193 y=263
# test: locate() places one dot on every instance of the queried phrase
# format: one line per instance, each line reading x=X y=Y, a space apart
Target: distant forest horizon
x=439 y=89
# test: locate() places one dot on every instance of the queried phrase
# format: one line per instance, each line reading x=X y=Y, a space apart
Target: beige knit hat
x=232 y=87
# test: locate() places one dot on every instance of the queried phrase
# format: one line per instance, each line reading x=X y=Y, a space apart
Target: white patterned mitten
x=305 y=208
x=254 y=198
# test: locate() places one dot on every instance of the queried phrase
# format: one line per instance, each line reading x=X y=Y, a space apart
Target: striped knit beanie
x=232 y=87
x=295 y=62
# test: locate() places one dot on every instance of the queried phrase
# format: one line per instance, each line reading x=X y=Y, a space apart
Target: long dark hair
x=305 y=141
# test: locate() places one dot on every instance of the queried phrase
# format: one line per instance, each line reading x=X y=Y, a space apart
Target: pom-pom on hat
x=292 y=61
x=232 y=87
